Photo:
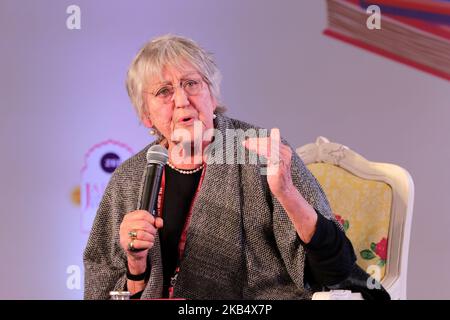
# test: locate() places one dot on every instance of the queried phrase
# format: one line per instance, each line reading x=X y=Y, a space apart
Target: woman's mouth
x=185 y=121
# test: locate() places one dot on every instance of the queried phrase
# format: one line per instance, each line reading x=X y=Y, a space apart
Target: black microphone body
x=157 y=157
x=152 y=183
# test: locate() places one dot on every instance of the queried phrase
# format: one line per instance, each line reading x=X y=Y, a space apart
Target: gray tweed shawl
x=240 y=242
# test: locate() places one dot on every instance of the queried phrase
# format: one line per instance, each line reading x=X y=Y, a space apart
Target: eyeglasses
x=191 y=87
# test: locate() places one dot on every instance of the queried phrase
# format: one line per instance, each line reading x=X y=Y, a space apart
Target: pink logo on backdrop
x=99 y=163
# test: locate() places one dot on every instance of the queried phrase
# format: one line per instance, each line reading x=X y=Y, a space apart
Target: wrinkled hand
x=278 y=157
x=145 y=226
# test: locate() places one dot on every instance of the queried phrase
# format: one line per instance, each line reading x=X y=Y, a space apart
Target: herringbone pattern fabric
x=240 y=242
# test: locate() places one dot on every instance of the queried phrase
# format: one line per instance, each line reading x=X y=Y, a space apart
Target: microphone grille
x=157 y=154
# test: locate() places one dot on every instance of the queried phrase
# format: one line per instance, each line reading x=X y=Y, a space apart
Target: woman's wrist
x=289 y=194
x=300 y=212
x=137 y=266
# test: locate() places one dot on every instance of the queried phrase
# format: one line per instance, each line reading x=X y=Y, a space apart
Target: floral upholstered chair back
x=373 y=202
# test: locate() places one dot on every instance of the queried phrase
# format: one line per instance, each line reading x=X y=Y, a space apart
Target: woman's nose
x=180 y=97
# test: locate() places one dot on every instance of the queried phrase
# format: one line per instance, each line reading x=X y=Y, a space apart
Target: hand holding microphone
x=138 y=228
x=137 y=233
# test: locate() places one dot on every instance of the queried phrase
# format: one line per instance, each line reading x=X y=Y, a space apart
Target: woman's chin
x=188 y=132
x=187 y=140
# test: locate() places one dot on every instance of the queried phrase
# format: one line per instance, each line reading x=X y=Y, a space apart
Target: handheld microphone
x=157 y=157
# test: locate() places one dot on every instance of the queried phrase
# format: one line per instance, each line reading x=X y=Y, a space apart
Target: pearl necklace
x=185 y=171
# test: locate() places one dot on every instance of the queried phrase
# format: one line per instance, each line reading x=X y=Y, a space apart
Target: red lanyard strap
x=182 y=242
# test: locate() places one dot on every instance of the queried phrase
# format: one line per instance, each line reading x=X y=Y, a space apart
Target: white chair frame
x=402 y=185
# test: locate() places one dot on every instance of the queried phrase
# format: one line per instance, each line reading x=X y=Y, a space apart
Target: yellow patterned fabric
x=363 y=207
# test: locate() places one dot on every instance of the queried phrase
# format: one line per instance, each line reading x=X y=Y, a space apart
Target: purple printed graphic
x=100 y=162
x=110 y=162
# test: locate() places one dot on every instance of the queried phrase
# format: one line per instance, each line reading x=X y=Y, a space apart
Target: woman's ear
x=145 y=119
x=215 y=103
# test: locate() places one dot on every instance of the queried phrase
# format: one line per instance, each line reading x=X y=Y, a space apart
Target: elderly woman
x=222 y=230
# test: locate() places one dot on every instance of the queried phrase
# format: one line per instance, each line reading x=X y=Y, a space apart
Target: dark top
x=329 y=254
x=178 y=194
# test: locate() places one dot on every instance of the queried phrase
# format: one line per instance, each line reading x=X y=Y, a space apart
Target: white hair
x=169 y=50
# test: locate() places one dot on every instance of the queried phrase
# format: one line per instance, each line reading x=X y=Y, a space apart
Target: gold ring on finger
x=131 y=245
x=132 y=234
